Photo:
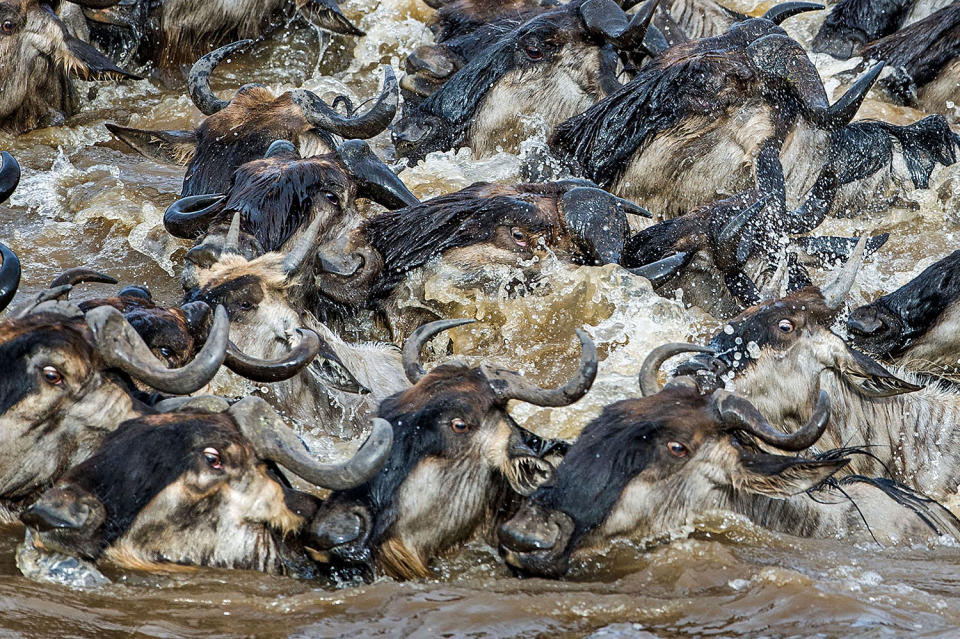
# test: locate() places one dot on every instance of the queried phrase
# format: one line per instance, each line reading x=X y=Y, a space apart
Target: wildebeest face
x=173 y=488
x=644 y=469
x=41 y=57
x=55 y=401
x=550 y=65
x=456 y=454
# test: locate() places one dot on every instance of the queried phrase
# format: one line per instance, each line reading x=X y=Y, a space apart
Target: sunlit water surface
x=85 y=200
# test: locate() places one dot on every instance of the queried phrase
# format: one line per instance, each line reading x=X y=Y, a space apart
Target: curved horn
x=9 y=175
x=302 y=250
x=273 y=440
x=842 y=111
x=739 y=414
x=9 y=275
x=650 y=370
x=74 y=276
x=199 y=79
x=410 y=355
x=121 y=347
x=375 y=181
x=231 y=242
x=378 y=118
x=836 y=291
x=274 y=370
x=509 y=385
x=190 y=216
x=778 y=13
x=662 y=270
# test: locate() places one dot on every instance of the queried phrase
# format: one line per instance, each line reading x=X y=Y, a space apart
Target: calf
x=458 y=463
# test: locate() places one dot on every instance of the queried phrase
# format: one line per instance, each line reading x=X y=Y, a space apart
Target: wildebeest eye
x=52 y=376
x=533 y=52
x=212 y=455
x=457 y=425
x=519 y=236
x=245 y=305
x=331 y=197
x=166 y=352
x=677 y=449
x=8 y=26
x=785 y=325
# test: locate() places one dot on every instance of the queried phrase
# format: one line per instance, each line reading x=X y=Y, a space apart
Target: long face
x=918 y=314
x=182 y=488
x=56 y=401
x=242 y=132
x=457 y=461
x=549 y=62
x=262 y=321
x=644 y=469
x=40 y=59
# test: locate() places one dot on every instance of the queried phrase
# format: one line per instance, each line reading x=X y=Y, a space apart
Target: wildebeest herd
x=684 y=142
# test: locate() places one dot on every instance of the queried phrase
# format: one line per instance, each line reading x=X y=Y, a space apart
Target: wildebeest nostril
x=526 y=535
x=411 y=133
x=864 y=323
x=337 y=530
x=44 y=517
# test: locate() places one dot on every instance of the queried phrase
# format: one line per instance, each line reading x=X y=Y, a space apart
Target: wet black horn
x=738 y=413
x=412 y=346
x=274 y=370
x=377 y=119
x=650 y=369
x=198 y=82
x=778 y=13
x=375 y=181
x=191 y=216
x=9 y=175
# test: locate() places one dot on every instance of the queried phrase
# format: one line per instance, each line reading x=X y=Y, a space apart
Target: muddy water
x=85 y=200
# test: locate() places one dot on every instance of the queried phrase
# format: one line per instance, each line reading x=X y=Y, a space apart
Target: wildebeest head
x=783 y=345
x=68 y=383
x=279 y=196
x=646 y=467
x=555 y=65
x=915 y=320
x=481 y=225
x=241 y=129
x=665 y=138
x=458 y=460
x=194 y=488
x=40 y=60
x=853 y=23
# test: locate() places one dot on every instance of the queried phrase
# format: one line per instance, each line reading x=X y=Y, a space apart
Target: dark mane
x=275 y=195
x=410 y=237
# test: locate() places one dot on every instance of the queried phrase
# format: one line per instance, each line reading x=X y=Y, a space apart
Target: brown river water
x=86 y=200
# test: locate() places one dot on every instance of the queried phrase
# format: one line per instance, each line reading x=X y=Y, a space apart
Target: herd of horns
x=802 y=414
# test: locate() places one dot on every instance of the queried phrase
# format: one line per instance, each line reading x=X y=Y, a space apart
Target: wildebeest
x=552 y=67
x=458 y=463
x=274 y=339
x=647 y=468
x=917 y=323
x=40 y=61
x=241 y=129
x=170 y=33
x=279 y=196
x=691 y=123
x=475 y=234
x=196 y=488
x=853 y=23
x=781 y=353
x=924 y=59
x=68 y=382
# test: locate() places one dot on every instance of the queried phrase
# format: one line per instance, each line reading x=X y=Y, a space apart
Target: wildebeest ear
x=85 y=62
x=168 y=147
x=779 y=476
x=870 y=378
